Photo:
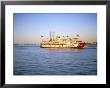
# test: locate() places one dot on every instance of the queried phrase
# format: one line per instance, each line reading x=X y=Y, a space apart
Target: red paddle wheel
x=82 y=44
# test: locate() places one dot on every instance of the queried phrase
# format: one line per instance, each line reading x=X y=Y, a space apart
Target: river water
x=33 y=60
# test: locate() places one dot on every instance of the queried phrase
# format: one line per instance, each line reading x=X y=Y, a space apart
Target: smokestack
x=50 y=37
x=53 y=35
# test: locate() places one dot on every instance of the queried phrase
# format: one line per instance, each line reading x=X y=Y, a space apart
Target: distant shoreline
x=26 y=44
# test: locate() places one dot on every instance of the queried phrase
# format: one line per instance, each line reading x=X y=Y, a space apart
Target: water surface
x=33 y=60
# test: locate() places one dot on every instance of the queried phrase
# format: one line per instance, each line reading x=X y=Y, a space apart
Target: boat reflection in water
x=62 y=50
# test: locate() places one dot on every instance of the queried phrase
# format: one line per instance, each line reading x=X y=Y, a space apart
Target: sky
x=29 y=27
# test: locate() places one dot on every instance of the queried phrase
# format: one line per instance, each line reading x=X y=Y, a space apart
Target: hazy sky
x=28 y=28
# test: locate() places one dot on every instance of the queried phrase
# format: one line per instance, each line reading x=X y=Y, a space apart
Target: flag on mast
x=77 y=35
x=42 y=36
